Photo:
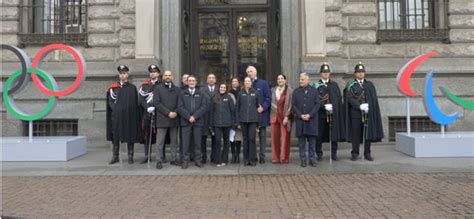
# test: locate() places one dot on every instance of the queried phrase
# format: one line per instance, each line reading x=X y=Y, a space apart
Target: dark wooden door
x=225 y=38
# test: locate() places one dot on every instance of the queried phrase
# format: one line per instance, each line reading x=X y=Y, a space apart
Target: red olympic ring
x=80 y=71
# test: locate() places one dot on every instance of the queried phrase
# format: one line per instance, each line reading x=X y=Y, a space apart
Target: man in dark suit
x=210 y=90
x=165 y=100
x=192 y=106
x=265 y=97
x=306 y=105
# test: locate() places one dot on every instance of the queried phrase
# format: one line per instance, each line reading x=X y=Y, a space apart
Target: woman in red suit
x=281 y=120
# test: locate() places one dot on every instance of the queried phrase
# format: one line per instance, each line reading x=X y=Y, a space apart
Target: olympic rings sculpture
x=19 y=79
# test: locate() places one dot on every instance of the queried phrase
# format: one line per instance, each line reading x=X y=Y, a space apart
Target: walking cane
x=330 y=140
x=152 y=120
x=364 y=119
x=120 y=153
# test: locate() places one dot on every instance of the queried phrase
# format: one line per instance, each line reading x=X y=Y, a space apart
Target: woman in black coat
x=247 y=114
x=236 y=133
x=221 y=120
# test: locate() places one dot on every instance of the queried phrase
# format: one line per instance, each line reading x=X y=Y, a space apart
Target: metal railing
x=417 y=124
x=53 y=127
x=49 y=21
x=413 y=20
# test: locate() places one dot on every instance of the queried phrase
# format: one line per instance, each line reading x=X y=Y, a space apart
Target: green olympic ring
x=16 y=112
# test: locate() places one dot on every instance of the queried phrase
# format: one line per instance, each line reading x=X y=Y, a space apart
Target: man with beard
x=363 y=120
x=165 y=100
x=146 y=104
x=331 y=114
x=123 y=115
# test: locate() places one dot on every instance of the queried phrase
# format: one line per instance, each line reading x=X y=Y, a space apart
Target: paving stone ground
x=339 y=195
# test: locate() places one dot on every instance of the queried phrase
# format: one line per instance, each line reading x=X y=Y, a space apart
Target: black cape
x=146 y=89
x=374 y=127
x=338 y=127
x=123 y=114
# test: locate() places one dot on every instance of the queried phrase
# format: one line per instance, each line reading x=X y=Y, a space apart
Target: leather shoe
x=184 y=165
x=114 y=160
x=261 y=160
x=159 y=165
x=368 y=157
x=303 y=163
x=175 y=163
x=198 y=164
x=334 y=158
x=144 y=161
x=313 y=164
x=354 y=157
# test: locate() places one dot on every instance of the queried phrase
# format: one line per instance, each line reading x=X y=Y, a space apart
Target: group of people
x=232 y=116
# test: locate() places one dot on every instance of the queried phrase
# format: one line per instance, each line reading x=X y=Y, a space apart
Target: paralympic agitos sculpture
x=435 y=114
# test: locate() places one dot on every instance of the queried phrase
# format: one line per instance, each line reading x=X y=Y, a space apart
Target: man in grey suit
x=210 y=90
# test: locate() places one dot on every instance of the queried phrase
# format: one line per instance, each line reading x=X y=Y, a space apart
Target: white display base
x=429 y=144
x=61 y=148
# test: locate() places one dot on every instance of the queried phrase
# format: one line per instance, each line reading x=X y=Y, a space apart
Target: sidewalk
x=393 y=186
x=95 y=162
x=355 y=195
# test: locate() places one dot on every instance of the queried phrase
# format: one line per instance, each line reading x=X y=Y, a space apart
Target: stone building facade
x=309 y=32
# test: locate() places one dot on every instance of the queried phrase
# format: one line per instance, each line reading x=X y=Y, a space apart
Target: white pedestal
x=429 y=144
x=61 y=148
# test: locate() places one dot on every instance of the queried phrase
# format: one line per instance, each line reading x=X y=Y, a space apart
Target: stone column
x=171 y=15
x=147 y=25
x=314 y=28
x=290 y=40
